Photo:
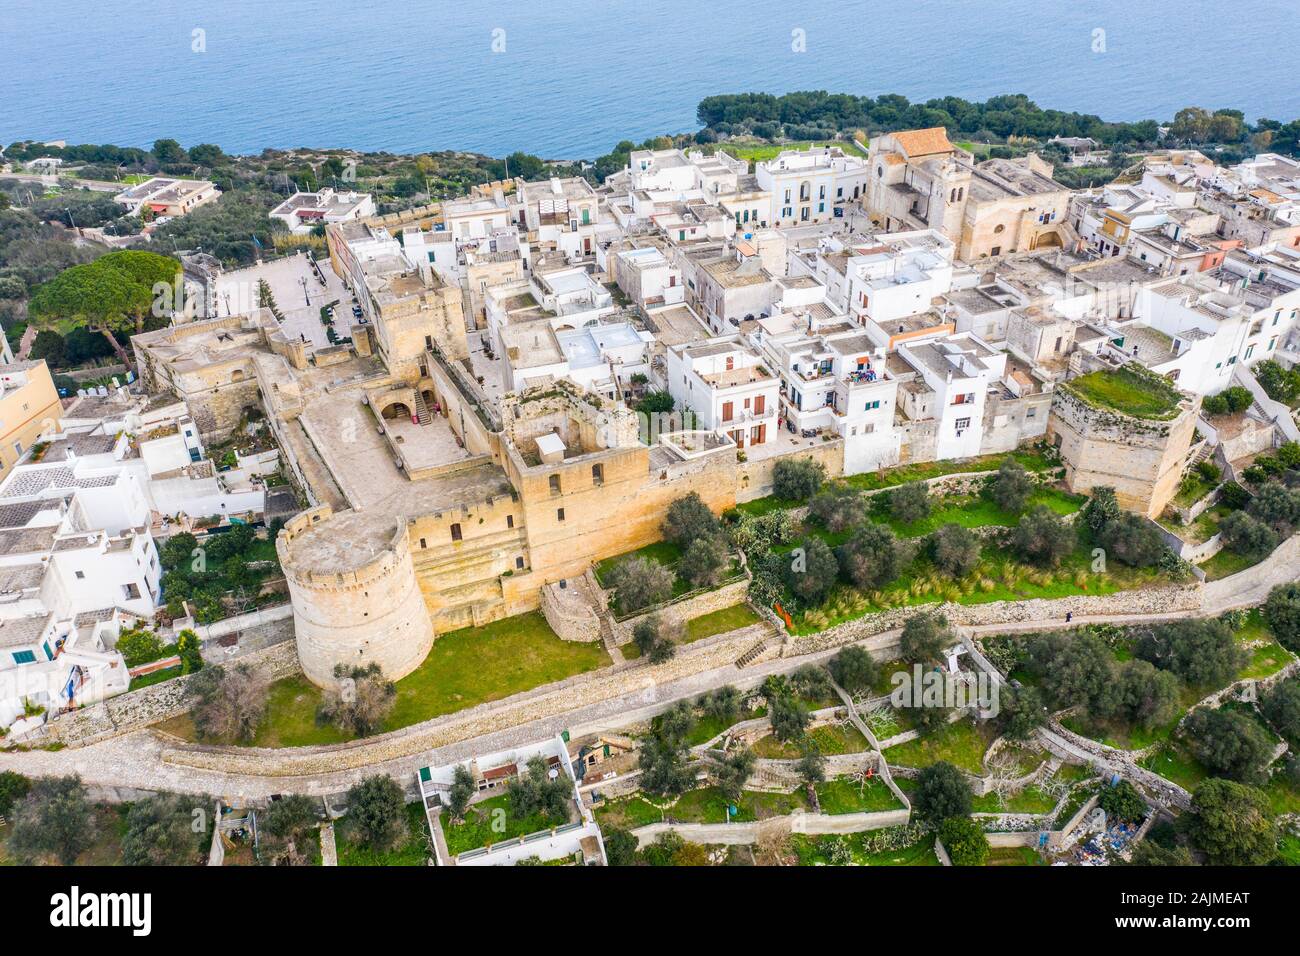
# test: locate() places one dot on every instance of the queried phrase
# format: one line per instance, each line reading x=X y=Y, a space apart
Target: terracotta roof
x=893 y=159
x=924 y=142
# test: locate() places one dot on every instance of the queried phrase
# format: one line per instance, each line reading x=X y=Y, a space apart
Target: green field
x=960 y=744
x=1122 y=390
x=848 y=796
x=491 y=821
x=465 y=668
x=411 y=851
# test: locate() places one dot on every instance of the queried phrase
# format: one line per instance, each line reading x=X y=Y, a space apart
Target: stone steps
x=422 y=409
x=752 y=654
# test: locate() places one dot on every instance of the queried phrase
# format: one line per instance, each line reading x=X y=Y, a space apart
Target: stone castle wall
x=374 y=613
x=1142 y=460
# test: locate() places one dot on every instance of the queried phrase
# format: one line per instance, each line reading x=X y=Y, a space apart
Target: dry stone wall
x=137 y=709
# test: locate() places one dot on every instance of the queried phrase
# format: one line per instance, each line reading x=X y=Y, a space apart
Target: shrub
x=1228 y=743
x=1233 y=495
x=190 y=650
x=1281 y=706
x=704 y=562
x=139 y=645
x=837 y=506
x=656 y=638
x=910 y=502
x=291 y=816
x=1142 y=695
x=1277 y=506
x=1012 y=486
x=965 y=841
x=161 y=831
x=1230 y=401
x=1102 y=508
x=1232 y=824
x=13 y=787
x=811 y=571
x=1247 y=536
x=1282 y=614
x=1043 y=538
x=535 y=791
x=925 y=637
x=639 y=583
x=941 y=792
x=854 y=668
x=1202 y=652
x=1123 y=802
x=55 y=818
x=688 y=520
x=873 y=556
x=789 y=717
x=955 y=550
x=375 y=811
x=1021 y=711
x=797 y=479
x=228 y=703
x=1133 y=540
x=360 y=701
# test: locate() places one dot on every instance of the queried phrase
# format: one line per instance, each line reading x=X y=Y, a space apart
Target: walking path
x=135 y=760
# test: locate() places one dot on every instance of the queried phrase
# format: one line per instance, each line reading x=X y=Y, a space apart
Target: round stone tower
x=355 y=597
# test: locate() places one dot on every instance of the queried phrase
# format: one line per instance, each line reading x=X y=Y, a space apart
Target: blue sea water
x=569 y=78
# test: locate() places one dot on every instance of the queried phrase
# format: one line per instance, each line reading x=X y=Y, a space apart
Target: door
x=727 y=411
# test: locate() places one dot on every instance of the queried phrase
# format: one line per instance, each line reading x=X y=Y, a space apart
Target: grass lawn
x=155 y=677
x=901 y=475
x=1283 y=796
x=976 y=511
x=411 y=851
x=707 y=805
x=1028 y=800
x=1173 y=762
x=761 y=152
x=1014 y=856
x=960 y=743
x=848 y=796
x=1267 y=655
x=1193 y=488
x=1127 y=392
x=720 y=622
x=706 y=625
x=1225 y=563
x=661 y=552
x=813 y=850
x=831 y=739
x=706 y=728
x=996 y=578
x=464 y=668
x=491 y=821
x=628 y=813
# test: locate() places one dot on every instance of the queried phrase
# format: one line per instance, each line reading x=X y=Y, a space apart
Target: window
x=455 y=532
x=423 y=543
x=81 y=575
x=130 y=592
x=18 y=447
x=1031 y=413
x=995 y=251
x=519 y=563
x=962 y=423
x=24 y=657
x=869 y=428
x=510 y=521
x=871 y=406
x=597 y=475
x=555 y=484
x=999 y=228
x=559 y=514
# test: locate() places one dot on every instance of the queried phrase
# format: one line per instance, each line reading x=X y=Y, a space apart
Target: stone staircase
x=422 y=414
x=747 y=658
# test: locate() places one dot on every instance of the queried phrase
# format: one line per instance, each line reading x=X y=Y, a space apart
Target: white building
x=955 y=377
x=303 y=212
x=806 y=186
x=729 y=388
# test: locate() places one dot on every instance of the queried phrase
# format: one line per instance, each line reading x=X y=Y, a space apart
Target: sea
x=567 y=79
